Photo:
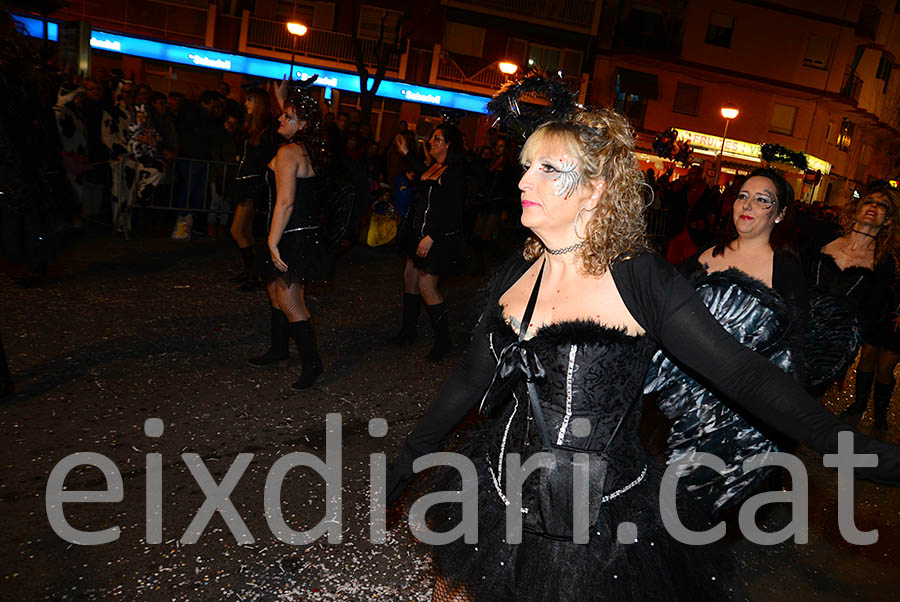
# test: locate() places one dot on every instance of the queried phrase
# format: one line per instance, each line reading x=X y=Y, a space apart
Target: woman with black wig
x=431 y=236
x=296 y=251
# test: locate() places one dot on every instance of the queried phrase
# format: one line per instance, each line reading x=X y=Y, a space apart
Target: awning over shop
x=645 y=85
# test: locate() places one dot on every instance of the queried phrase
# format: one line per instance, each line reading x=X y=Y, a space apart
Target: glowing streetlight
x=296 y=30
x=729 y=112
x=508 y=68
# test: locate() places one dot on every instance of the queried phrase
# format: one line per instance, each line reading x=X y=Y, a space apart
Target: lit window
x=783 y=117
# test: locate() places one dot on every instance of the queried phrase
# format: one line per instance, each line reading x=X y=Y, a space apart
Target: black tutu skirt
x=306 y=256
x=447 y=256
x=654 y=568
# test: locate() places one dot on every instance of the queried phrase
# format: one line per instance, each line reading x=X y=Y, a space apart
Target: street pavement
x=128 y=331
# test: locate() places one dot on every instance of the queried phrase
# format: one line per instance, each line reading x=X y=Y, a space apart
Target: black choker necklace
x=864 y=233
x=564 y=250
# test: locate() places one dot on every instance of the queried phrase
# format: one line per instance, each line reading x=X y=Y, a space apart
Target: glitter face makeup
x=567 y=178
x=563 y=172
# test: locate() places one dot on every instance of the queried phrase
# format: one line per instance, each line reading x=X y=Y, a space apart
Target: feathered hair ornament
x=522 y=118
x=306 y=108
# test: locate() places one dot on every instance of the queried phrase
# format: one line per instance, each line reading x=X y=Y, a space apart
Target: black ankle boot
x=882 y=398
x=864 y=382
x=411 y=306
x=438 y=315
x=279 y=349
x=305 y=338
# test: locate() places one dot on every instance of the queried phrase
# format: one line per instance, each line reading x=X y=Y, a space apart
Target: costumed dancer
x=752 y=281
x=297 y=253
x=431 y=236
x=560 y=354
x=114 y=133
x=258 y=149
x=860 y=266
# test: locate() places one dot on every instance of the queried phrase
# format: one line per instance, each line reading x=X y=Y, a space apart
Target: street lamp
x=296 y=30
x=729 y=112
x=507 y=68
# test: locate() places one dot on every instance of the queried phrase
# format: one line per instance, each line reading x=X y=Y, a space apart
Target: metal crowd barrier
x=195 y=185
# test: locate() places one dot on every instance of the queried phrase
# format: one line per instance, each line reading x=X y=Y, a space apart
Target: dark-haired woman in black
x=431 y=237
x=258 y=149
x=753 y=283
x=296 y=251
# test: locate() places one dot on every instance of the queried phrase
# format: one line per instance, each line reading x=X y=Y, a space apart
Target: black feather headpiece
x=521 y=118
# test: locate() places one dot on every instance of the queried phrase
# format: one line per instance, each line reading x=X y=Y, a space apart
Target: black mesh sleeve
x=665 y=305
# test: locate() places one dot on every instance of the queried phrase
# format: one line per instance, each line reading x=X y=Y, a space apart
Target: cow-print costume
x=114 y=132
x=144 y=168
x=73 y=138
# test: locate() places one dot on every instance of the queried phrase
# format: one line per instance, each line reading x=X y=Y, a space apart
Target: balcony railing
x=578 y=13
x=181 y=22
x=317 y=43
x=851 y=85
x=488 y=77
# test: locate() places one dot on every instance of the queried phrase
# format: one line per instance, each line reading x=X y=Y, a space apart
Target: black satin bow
x=518 y=357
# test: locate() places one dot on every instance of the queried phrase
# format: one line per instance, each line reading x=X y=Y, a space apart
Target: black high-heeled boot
x=305 y=338
x=882 y=399
x=439 y=322
x=279 y=348
x=411 y=305
x=856 y=409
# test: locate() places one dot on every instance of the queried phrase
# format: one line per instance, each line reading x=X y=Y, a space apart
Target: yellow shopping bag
x=382 y=230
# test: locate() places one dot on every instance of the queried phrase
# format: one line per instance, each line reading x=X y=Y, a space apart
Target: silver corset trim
x=300 y=228
x=560 y=437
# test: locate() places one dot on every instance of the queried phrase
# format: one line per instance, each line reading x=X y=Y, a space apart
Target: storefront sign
x=740 y=149
x=35 y=27
x=258 y=67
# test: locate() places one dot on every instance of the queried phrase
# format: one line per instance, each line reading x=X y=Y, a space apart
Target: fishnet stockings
x=289 y=298
x=444 y=593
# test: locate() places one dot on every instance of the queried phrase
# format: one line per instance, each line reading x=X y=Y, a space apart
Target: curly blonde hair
x=887 y=242
x=603 y=142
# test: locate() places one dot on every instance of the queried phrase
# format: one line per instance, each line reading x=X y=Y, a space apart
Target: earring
x=575 y=224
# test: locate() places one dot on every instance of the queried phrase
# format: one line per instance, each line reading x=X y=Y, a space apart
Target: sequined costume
x=587 y=380
x=301 y=246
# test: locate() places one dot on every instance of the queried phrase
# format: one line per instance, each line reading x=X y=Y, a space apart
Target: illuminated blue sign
x=236 y=63
x=35 y=27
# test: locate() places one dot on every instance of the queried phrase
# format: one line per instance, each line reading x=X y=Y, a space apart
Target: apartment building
x=814 y=76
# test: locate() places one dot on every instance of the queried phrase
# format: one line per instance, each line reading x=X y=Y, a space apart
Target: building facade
x=816 y=77
x=813 y=76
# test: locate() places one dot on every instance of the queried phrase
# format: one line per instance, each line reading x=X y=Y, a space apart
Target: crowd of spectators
x=125 y=146
x=686 y=213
